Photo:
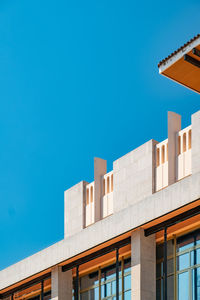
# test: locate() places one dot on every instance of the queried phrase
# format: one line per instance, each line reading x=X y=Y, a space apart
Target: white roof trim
x=165 y=65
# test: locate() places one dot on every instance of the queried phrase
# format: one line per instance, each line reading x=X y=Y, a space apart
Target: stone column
x=196 y=142
x=143 y=266
x=174 y=125
x=100 y=169
x=61 y=284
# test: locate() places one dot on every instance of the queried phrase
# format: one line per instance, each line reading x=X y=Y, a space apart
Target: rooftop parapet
x=146 y=170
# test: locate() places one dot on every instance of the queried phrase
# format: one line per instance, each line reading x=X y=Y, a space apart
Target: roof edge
x=174 y=56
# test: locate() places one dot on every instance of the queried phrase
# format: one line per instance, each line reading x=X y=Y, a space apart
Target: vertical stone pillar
x=100 y=169
x=196 y=142
x=61 y=284
x=74 y=209
x=143 y=266
x=174 y=125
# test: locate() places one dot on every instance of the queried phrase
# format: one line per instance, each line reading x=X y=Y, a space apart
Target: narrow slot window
x=158 y=157
x=87 y=196
x=184 y=142
x=112 y=183
x=108 y=185
x=190 y=139
x=91 y=194
x=163 y=154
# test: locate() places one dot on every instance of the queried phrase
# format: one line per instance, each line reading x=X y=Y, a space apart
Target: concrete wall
x=158 y=204
x=74 y=209
x=134 y=176
x=143 y=266
x=196 y=142
x=61 y=284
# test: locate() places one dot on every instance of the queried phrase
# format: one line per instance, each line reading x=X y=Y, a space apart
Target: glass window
x=89 y=284
x=187 y=268
x=183 y=286
x=127 y=295
x=85 y=295
x=33 y=291
x=196 y=283
x=185 y=242
x=89 y=287
x=158 y=289
x=127 y=282
x=195 y=257
x=183 y=261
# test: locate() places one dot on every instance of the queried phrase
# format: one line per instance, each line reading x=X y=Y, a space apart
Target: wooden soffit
x=183 y=65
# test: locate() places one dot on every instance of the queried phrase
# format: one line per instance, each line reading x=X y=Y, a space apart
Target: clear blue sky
x=78 y=79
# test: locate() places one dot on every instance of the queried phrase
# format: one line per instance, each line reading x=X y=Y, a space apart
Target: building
x=133 y=233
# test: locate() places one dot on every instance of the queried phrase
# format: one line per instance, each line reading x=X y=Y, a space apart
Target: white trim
x=165 y=65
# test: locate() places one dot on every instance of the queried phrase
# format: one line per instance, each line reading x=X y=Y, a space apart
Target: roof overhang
x=183 y=65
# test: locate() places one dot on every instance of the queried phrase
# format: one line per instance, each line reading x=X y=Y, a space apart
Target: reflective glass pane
x=113 y=287
x=127 y=295
x=127 y=282
x=120 y=285
x=183 y=261
x=195 y=257
x=198 y=239
x=108 y=289
x=198 y=256
x=159 y=251
x=94 y=294
x=103 y=290
x=183 y=286
x=158 y=270
x=185 y=242
x=158 y=289
x=89 y=281
x=196 y=284
x=120 y=297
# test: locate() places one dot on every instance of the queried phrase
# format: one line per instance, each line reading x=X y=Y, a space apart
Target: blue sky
x=78 y=79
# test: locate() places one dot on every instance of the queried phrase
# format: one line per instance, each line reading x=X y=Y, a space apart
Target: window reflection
x=105 y=280
x=187 y=271
x=183 y=261
x=33 y=291
x=183 y=286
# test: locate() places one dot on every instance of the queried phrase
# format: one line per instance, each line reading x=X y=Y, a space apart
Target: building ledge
x=141 y=214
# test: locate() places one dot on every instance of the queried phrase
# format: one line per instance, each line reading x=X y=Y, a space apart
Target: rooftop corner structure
x=183 y=65
x=132 y=233
x=119 y=229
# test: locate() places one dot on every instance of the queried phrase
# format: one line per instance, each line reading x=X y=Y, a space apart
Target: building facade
x=132 y=233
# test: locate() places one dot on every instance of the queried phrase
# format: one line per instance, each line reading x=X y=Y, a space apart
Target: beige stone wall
x=74 y=209
x=134 y=176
